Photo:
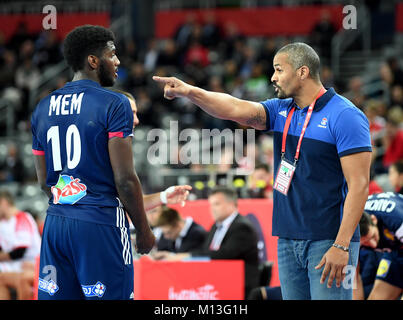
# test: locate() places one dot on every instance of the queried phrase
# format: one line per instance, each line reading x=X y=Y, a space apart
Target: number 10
x=71 y=134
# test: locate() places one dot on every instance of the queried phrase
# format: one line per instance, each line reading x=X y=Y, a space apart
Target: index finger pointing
x=161 y=79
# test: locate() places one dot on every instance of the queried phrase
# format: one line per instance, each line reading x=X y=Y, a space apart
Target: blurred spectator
x=12 y=168
x=396 y=96
x=197 y=54
x=393 y=138
x=48 y=51
x=260 y=182
x=326 y=76
x=231 y=237
x=8 y=66
x=322 y=34
x=185 y=234
x=184 y=32
x=151 y=56
x=397 y=72
x=257 y=84
x=396 y=176
x=211 y=34
x=19 y=37
x=19 y=247
x=266 y=56
x=376 y=123
x=169 y=55
x=137 y=77
x=355 y=92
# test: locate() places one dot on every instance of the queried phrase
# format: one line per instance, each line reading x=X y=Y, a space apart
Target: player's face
x=284 y=77
x=108 y=66
x=136 y=120
x=372 y=238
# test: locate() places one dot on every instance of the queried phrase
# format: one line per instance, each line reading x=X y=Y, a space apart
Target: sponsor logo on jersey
x=48 y=286
x=96 y=290
x=323 y=123
x=68 y=190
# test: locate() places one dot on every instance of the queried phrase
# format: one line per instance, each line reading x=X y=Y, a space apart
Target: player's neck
x=83 y=75
x=308 y=94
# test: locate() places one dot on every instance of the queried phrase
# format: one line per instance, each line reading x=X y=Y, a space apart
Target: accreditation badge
x=284 y=176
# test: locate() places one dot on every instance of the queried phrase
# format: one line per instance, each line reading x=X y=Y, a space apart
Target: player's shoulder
x=114 y=96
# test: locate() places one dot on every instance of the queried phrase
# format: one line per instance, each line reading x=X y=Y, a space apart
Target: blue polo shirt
x=313 y=207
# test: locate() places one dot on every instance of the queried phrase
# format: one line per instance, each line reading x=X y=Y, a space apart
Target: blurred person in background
x=184 y=234
x=260 y=182
x=19 y=247
x=12 y=168
x=392 y=141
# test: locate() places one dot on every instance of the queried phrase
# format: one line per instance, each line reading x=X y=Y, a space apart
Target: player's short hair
x=168 y=217
x=365 y=223
x=4 y=194
x=83 y=41
x=300 y=54
x=230 y=194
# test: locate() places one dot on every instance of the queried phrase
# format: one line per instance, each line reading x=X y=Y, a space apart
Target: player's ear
x=93 y=61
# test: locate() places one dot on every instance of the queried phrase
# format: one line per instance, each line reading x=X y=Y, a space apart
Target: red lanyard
x=287 y=126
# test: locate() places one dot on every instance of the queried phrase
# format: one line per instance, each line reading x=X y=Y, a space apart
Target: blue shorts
x=84 y=260
x=390 y=268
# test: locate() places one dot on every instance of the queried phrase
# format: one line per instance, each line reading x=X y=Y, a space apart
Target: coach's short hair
x=83 y=41
x=300 y=54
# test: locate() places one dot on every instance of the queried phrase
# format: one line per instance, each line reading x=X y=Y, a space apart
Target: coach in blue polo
x=322 y=155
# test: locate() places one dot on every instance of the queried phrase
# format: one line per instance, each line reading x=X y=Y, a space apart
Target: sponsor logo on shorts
x=68 y=190
x=383 y=268
x=48 y=286
x=95 y=290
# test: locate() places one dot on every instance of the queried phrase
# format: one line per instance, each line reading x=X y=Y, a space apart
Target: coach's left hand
x=334 y=261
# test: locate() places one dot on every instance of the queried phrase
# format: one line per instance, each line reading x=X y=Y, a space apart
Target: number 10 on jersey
x=73 y=146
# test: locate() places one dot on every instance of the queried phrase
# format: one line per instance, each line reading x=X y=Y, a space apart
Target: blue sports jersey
x=71 y=127
x=388 y=209
x=313 y=207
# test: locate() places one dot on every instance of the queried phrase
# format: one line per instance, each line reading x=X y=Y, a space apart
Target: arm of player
x=40 y=166
x=356 y=171
x=217 y=104
x=173 y=195
x=130 y=191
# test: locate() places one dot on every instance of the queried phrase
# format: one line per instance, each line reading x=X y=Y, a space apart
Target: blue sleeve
x=120 y=119
x=270 y=106
x=351 y=132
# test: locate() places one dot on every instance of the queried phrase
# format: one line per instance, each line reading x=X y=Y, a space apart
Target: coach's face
x=108 y=66
x=284 y=79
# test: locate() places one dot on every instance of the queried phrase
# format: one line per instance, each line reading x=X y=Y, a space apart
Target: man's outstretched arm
x=217 y=104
